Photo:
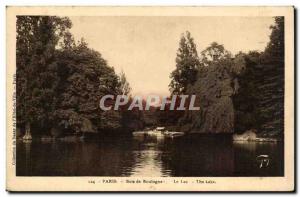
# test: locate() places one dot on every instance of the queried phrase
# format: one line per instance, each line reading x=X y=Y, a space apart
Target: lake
x=147 y=156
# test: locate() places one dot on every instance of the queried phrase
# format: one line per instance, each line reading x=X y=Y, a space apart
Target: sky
x=145 y=47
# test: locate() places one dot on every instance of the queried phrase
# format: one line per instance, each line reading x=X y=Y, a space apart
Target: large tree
x=259 y=102
x=271 y=104
x=60 y=82
x=187 y=62
x=86 y=77
x=37 y=39
x=274 y=51
x=247 y=97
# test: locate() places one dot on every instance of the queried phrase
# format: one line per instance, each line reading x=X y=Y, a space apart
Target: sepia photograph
x=165 y=95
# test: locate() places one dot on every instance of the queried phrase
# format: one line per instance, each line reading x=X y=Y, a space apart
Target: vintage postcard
x=150 y=99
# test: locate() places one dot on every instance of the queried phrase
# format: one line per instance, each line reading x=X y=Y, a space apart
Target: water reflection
x=148 y=156
x=247 y=164
x=203 y=156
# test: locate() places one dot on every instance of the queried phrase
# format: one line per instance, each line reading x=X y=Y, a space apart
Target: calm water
x=148 y=156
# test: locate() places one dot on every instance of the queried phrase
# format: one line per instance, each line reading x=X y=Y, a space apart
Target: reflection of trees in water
x=147 y=152
x=105 y=158
x=148 y=156
x=246 y=163
x=24 y=158
x=202 y=156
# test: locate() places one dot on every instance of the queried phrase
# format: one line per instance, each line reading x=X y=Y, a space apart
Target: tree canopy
x=187 y=62
x=60 y=82
x=37 y=79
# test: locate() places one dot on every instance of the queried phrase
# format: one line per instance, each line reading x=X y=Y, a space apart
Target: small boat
x=156 y=133
x=159 y=128
x=173 y=134
x=159 y=132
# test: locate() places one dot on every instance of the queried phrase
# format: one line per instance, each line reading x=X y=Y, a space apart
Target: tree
x=87 y=78
x=271 y=104
x=60 y=82
x=187 y=62
x=246 y=99
x=124 y=85
x=37 y=38
x=214 y=53
x=275 y=48
x=214 y=89
x=259 y=103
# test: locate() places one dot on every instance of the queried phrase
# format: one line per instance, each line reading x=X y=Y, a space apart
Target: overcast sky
x=145 y=47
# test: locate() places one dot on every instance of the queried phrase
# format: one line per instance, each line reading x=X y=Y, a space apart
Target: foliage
x=87 y=78
x=248 y=87
x=214 y=53
x=37 y=37
x=247 y=115
x=274 y=51
x=187 y=62
x=60 y=82
x=259 y=103
x=124 y=85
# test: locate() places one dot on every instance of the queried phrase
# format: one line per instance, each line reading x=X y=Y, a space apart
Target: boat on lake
x=158 y=132
x=173 y=134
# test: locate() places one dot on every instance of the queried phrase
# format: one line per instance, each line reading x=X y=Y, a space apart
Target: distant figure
x=27 y=136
